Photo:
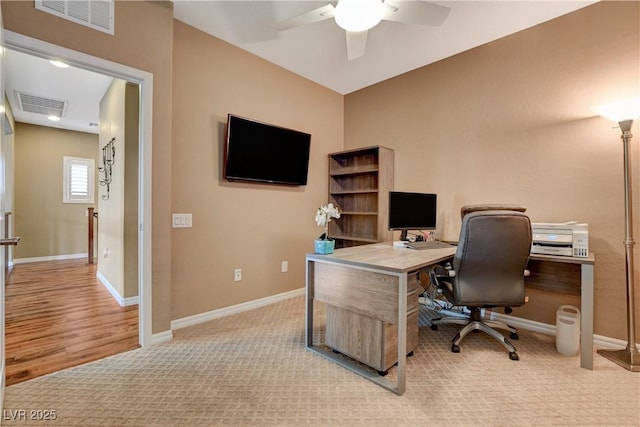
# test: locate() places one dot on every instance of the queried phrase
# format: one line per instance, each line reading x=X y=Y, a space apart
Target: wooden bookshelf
x=359 y=182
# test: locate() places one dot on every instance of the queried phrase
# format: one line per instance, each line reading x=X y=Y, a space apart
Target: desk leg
x=402 y=334
x=586 y=319
x=309 y=305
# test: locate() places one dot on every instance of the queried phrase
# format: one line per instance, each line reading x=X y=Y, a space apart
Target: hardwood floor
x=58 y=315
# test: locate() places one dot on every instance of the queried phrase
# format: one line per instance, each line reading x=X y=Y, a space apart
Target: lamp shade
x=619 y=111
x=359 y=15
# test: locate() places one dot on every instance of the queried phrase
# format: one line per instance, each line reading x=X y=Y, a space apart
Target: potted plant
x=325 y=244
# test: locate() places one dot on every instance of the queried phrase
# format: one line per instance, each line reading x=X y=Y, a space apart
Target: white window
x=78 y=180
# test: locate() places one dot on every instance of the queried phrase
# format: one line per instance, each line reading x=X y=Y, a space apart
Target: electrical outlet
x=237 y=275
x=285 y=266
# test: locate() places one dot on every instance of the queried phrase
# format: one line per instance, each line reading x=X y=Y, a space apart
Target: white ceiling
x=316 y=51
x=81 y=90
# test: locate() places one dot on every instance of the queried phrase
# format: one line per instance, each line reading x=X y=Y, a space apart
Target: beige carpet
x=252 y=369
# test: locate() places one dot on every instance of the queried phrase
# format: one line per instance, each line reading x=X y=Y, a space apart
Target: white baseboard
x=226 y=311
x=114 y=293
x=161 y=337
x=544 y=328
x=49 y=258
x=530 y=325
x=130 y=301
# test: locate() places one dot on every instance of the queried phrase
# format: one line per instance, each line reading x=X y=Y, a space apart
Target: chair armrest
x=442 y=271
x=438 y=272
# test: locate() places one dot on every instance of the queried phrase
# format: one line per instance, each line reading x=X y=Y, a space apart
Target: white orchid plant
x=323 y=217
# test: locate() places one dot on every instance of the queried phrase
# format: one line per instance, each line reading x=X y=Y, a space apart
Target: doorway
x=145 y=81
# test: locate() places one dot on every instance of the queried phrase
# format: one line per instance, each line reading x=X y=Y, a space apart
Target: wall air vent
x=39 y=105
x=96 y=14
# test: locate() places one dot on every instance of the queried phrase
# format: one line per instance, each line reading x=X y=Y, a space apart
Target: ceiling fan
x=357 y=17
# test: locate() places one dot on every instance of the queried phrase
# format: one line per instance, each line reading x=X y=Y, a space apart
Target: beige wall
x=240 y=225
x=118 y=225
x=143 y=40
x=47 y=226
x=214 y=79
x=510 y=122
x=110 y=252
x=506 y=122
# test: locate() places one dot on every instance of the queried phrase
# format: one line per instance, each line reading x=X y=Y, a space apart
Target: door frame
x=2 y=207
x=144 y=79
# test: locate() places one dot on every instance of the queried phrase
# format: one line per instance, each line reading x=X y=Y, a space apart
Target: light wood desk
x=341 y=278
x=349 y=279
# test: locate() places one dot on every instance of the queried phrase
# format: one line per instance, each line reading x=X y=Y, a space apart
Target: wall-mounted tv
x=261 y=152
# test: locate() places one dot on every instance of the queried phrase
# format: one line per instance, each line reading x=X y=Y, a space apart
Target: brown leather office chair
x=487 y=270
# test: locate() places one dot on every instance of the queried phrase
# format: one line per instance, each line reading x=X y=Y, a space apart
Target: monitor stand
x=404 y=237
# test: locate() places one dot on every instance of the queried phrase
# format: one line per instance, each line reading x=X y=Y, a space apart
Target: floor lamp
x=624 y=112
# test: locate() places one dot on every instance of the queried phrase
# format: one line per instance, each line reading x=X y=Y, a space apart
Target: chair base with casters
x=476 y=323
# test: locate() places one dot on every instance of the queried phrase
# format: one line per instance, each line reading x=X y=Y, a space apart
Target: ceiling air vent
x=96 y=14
x=39 y=105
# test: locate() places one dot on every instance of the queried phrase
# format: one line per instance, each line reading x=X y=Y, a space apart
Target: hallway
x=59 y=315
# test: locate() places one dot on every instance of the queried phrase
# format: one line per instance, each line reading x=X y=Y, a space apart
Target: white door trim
x=43 y=49
x=3 y=173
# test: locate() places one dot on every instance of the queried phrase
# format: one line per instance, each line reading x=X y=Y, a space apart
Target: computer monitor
x=411 y=211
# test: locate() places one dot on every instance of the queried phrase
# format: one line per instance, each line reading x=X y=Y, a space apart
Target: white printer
x=567 y=239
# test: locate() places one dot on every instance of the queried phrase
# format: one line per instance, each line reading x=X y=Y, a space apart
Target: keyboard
x=428 y=244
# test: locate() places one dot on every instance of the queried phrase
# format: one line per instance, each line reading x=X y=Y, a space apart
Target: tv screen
x=262 y=152
x=412 y=211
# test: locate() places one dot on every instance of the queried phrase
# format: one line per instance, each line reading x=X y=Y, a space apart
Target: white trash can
x=568 y=330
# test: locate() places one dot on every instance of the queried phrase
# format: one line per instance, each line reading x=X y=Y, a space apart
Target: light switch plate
x=182 y=221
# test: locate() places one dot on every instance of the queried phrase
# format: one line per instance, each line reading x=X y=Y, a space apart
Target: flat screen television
x=261 y=152
x=412 y=211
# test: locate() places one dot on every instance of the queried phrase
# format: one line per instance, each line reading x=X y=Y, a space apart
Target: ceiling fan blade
x=356 y=44
x=415 y=12
x=316 y=15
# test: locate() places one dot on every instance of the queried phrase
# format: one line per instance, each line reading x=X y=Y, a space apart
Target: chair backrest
x=492 y=207
x=492 y=255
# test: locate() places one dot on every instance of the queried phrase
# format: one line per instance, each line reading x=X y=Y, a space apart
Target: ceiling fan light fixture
x=359 y=15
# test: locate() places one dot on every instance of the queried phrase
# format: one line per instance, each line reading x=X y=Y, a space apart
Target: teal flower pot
x=324 y=247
